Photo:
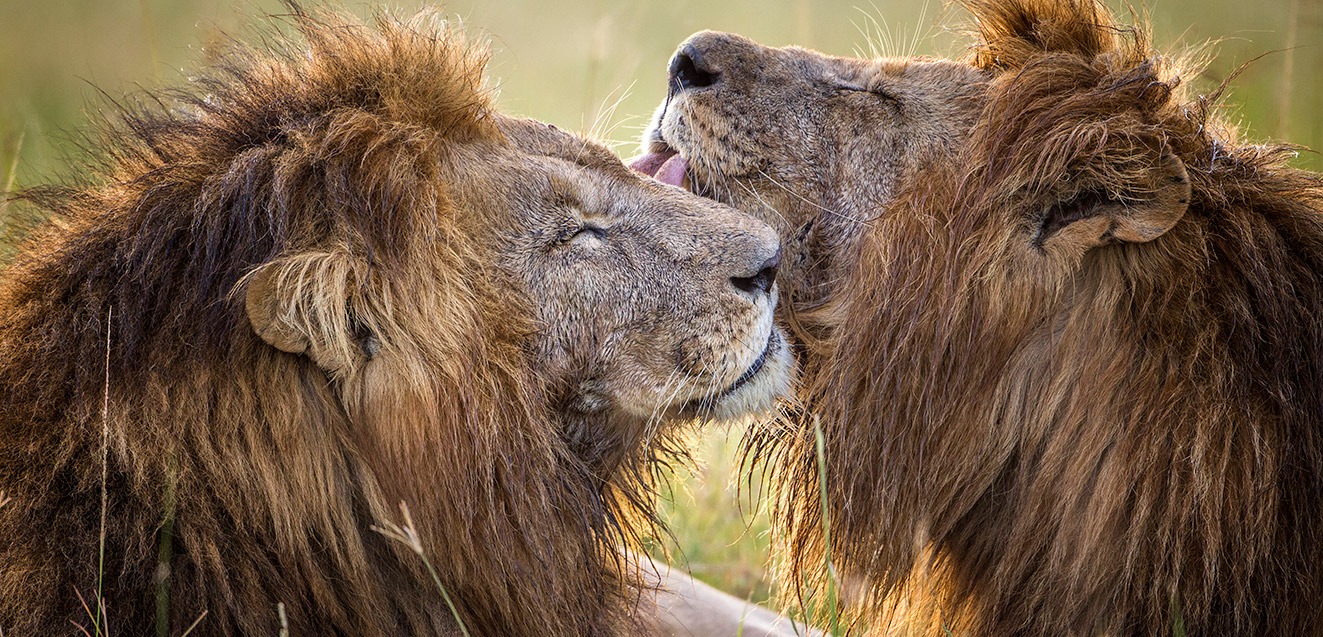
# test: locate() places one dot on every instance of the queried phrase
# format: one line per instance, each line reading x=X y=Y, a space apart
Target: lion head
x=812 y=144
x=1070 y=383
x=332 y=279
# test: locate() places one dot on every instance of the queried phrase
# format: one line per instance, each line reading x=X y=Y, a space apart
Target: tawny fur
x=1119 y=440
x=1060 y=329
x=312 y=191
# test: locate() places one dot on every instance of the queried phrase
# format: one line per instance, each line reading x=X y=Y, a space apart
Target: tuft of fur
x=235 y=476
x=1124 y=440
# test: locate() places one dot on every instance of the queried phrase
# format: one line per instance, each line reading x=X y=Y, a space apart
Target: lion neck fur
x=242 y=474
x=1021 y=445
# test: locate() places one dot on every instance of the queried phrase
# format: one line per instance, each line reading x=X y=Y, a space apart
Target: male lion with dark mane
x=1064 y=331
x=332 y=279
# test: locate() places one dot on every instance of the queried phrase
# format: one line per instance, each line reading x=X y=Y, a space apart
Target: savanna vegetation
x=598 y=66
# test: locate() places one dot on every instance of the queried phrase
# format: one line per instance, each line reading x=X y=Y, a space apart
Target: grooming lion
x=1064 y=330
x=330 y=280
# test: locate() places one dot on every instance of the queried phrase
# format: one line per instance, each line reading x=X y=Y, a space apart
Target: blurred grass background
x=599 y=65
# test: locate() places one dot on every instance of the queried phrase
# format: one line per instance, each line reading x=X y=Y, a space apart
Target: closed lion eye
x=585 y=231
x=847 y=87
x=590 y=230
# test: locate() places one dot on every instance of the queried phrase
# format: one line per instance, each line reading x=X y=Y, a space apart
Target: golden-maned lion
x=332 y=279
x=1065 y=330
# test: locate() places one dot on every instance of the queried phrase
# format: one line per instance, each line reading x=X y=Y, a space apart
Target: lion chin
x=1061 y=331
x=329 y=279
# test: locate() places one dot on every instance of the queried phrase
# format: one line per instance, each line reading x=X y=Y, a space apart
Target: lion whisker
x=802 y=198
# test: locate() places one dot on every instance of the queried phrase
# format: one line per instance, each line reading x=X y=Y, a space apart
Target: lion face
x=812 y=144
x=632 y=301
x=649 y=301
x=332 y=281
x=1074 y=288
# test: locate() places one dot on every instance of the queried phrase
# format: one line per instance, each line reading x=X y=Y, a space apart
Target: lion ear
x=264 y=313
x=1147 y=208
x=300 y=305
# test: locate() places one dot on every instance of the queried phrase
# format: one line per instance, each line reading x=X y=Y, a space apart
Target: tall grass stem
x=98 y=618
x=408 y=536
x=832 y=585
x=1288 y=70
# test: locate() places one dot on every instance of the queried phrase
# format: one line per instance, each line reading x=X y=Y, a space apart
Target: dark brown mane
x=1119 y=441
x=234 y=475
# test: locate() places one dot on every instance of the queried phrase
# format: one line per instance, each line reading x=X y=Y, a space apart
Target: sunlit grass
x=600 y=70
x=719 y=525
x=564 y=62
x=720 y=534
x=10 y=152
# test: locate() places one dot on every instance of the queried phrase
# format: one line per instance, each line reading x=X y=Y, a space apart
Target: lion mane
x=1075 y=383
x=155 y=449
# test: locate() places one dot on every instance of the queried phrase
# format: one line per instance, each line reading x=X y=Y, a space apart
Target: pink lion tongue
x=666 y=166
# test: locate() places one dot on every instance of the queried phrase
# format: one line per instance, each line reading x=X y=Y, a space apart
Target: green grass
x=10 y=151
x=720 y=530
x=599 y=65
x=720 y=535
x=570 y=62
x=830 y=599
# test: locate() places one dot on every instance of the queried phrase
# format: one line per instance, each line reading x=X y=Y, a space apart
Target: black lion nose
x=688 y=70
x=762 y=280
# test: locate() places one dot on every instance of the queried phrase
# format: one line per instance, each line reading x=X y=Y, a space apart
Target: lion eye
x=591 y=230
x=859 y=88
x=585 y=231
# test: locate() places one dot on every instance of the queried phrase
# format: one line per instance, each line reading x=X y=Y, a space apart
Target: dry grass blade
x=98 y=629
x=199 y=621
x=100 y=623
x=408 y=536
x=100 y=617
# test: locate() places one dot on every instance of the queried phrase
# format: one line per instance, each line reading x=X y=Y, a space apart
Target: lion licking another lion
x=1059 y=333
x=332 y=280
x=1063 y=332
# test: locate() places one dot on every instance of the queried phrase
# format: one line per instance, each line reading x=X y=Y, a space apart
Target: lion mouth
x=773 y=342
x=666 y=165
x=707 y=405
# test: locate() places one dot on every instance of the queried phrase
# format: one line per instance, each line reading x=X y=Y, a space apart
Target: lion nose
x=763 y=279
x=689 y=70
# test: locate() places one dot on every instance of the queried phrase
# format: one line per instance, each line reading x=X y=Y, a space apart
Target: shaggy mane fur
x=1127 y=443
x=235 y=475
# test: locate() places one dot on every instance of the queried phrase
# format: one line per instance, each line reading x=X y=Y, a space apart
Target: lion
x=776 y=132
x=1062 y=334
x=329 y=279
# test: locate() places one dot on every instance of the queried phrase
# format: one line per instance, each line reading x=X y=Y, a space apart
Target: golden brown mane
x=234 y=474
x=1028 y=433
